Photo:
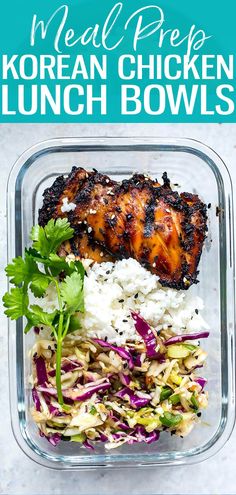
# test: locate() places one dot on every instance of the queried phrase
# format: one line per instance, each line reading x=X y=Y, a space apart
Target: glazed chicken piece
x=138 y=218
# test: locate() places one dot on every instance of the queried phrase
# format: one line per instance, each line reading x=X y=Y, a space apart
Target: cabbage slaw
x=119 y=395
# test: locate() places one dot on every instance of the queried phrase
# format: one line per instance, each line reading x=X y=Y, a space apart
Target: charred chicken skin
x=138 y=218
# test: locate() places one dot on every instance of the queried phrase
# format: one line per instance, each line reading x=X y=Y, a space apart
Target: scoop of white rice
x=112 y=289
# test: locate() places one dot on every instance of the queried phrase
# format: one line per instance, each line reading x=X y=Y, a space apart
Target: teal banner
x=108 y=61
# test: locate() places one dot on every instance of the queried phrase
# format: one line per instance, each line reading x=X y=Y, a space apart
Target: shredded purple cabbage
x=36 y=399
x=145 y=331
x=52 y=409
x=40 y=370
x=76 y=393
x=88 y=445
x=54 y=439
x=201 y=381
x=122 y=425
x=182 y=338
x=123 y=353
x=125 y=379
x=103 y=438
x=70 y=366
x=135 y=401
x=119 y=435
x=86 y=393
x=136 y=359
x=47 y=390
x=141 y=435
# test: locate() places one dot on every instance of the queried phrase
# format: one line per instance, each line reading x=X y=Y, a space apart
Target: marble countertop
x=18 y=474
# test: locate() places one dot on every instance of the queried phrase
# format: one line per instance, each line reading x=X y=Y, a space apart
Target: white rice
x=112 y=289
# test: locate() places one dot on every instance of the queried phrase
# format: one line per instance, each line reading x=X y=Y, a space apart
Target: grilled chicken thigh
x=137 y=218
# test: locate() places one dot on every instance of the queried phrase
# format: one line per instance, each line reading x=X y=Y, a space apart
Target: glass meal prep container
x=196 y=168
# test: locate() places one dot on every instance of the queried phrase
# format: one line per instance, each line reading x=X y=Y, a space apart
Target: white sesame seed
x=167 y=210
x=109 y=192
x=92 y=212
x=107 y=181
x=66 y=206
x=112 y=217
x=154 y=265
x=89 y=230
x=101 y=254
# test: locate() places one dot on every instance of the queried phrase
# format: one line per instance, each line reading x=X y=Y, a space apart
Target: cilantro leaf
x=16 y=302
x=39 y=284
x=74 y=324
x=40 y=317
x=78 y=266
x=71 y=291
x=46 y=240
x=41 y=266
x=58 y=265
x=21 y=270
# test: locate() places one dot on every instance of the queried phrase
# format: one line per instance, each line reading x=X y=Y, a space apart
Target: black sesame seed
x=196 y=311
x=105 y=338
x=209 y=205
x=108 y=272
x=125 y=321
x=121 y=300
x=199 y=414
x=121 y=333
x=49 y=348
x=136 y=296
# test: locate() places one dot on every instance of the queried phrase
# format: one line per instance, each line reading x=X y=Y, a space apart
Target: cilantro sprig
x=40 y=267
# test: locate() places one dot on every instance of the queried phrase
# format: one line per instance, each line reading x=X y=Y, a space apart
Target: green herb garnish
x=93 y=410
x=165 y=393
x=195 y=403
x=174 y=399
x=39 y=268
x=168 y=419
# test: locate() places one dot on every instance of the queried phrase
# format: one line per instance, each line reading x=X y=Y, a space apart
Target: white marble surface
x=19 y=475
